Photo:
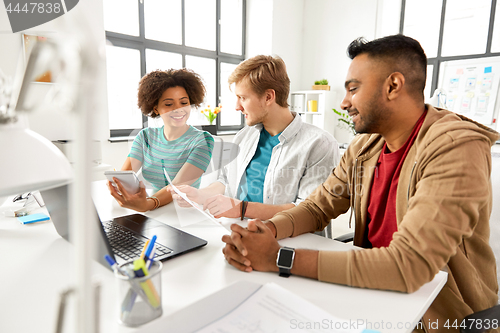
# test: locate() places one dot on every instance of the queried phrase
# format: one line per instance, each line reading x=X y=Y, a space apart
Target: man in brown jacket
x=417 y=180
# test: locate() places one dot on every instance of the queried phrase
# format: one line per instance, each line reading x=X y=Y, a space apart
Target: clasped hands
x=252 y=248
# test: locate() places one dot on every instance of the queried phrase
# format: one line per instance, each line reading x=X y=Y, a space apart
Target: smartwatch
x=285 y=261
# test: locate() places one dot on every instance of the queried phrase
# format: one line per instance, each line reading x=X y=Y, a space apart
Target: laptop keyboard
x=128 y=245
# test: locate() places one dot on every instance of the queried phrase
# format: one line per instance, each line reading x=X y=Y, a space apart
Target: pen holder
x=139 y=298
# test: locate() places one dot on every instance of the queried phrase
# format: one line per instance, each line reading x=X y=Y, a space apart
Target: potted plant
x=345 y=121
x=211 y=115
x=321 y=85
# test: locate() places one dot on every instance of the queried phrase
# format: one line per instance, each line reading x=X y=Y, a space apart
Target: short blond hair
x=264 y=72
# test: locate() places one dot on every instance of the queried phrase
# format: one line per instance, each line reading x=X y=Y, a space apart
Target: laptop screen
x=57 y=204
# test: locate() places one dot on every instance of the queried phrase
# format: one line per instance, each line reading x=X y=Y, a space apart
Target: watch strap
x=284 y=272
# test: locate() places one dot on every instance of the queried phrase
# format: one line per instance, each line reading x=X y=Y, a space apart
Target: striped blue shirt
x=155 y=153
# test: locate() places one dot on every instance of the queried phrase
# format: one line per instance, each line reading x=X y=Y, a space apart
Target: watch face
x=285 y=258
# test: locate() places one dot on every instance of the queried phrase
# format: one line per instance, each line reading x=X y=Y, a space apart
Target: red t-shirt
x=382 y=222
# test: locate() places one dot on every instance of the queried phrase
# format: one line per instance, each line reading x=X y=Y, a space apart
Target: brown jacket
x=443 y=208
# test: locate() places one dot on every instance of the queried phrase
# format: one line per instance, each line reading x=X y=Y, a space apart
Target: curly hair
x=154 y=84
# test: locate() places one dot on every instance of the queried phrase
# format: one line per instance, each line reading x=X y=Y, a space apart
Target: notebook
x=122 y=237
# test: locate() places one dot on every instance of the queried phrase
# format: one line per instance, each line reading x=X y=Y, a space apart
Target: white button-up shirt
x=300 y=162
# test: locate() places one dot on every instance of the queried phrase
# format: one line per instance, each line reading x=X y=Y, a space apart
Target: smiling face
x=364 y=99
x=250 y=104
x=174 y=107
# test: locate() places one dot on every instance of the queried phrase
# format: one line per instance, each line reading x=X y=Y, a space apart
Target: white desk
x=36 y=266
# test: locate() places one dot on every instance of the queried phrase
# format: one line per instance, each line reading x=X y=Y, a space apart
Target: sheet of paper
x=186 y=215
x=273 y=309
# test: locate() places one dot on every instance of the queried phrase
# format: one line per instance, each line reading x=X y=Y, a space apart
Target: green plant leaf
x=344 y=118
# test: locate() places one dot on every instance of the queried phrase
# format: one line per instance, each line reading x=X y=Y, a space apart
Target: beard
x=370 y=120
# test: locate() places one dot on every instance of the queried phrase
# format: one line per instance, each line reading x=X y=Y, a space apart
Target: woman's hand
x=223 y=206
x=137 y=201
x=192 y=193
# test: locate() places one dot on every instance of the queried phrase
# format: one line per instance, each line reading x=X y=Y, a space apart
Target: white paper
x=273 y=309
x=186 y=215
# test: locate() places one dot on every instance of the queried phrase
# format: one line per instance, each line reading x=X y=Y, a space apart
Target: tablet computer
x=128 y=179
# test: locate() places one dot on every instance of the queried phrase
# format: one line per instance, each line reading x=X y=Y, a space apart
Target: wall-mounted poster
x=471 y=88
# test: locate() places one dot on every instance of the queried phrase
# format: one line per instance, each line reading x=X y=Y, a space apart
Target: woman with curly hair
x=180 y=149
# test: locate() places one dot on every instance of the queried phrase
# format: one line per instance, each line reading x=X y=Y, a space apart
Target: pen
x=129 y=300
x=150 y=261
x=144 y=249
x=148 y=287
x=114 y=266
x=147 y=255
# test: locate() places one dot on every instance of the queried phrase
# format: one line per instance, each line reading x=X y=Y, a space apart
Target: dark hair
x=154 y=84
x=264 y=72
x=400 y=53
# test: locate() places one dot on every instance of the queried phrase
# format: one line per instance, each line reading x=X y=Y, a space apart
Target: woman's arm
x=137 y=201
x=131 y=164
x=187 y=175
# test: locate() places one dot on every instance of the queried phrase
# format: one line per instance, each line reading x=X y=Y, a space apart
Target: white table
x=36 y=267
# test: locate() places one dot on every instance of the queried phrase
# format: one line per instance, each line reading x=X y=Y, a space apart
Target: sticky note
x=487 y=69
x=33 y=218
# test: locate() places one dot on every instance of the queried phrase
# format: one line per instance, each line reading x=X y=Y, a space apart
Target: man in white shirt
x=281 y=159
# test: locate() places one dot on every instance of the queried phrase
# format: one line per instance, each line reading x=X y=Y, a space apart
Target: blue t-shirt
x=155 y=153
x=253 y=188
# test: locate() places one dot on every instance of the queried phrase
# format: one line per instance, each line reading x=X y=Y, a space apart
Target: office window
x=495 y=46
x=451 y=30
x=231 y=117
x=162 y=60
x=163 y=20
x=428 y=82
x=424 y=30
x=127 y=22
x=231 y=26
x=123 y=71
x=466 y=26
x=206 y=67
x=199 y=32
x=206 y=36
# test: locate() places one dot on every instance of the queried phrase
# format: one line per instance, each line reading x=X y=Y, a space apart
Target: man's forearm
x=257 y=210
x=305 y=263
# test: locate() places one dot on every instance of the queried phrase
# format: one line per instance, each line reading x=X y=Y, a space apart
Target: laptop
x=122 y=238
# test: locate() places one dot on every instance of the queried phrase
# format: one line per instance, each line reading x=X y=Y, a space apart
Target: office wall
x=259 y=18
x=52 y=123
x=288 y=37
x=329 y=27
x=275 y=27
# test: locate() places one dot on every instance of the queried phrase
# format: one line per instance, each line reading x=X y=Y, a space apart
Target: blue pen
x=147 y=255
x=114 y=266
x=129 y=300
x=150 y=261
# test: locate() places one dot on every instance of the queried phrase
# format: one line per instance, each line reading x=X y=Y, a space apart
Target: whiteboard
x=471 y=88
